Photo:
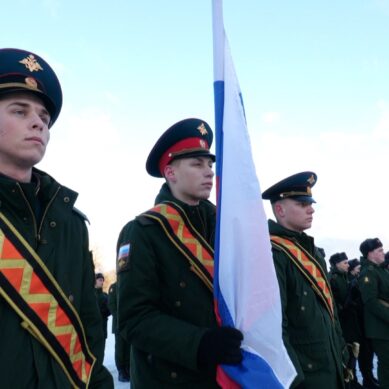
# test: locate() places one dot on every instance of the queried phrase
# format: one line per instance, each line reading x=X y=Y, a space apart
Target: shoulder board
x=144 y=220
x=81 y=214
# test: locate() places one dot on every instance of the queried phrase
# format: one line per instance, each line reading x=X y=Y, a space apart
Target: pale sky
x=315 y=82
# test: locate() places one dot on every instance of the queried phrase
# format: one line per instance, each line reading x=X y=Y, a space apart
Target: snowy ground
x=109 y=358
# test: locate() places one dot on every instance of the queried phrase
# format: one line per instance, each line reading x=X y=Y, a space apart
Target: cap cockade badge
x=202 y=129
x=311 y=180
x=31 y=82
x=31 y=63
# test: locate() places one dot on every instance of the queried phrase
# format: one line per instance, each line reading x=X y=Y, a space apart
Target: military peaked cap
x=369 y=245
x=99 y=275
x=338 y=257
x=185 y=139
x=296 y=187
x=22 y=70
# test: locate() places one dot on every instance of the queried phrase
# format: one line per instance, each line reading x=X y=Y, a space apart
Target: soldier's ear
x=279 y=209
x=169 y=173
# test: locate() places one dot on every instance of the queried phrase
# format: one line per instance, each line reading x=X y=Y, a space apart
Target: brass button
x=173 y=375
x=302 y=308
x=71 y=298
x=309 y=366
x=305 y=293
x=66 y=199
x=177 y=304
x=183 y=284
x=53 y=224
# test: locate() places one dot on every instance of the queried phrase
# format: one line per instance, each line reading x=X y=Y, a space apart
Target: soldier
x=354 y=268
x=102 y=301
x=341 y=291
x=50 y=326
x=357 y=328
x=122 y=348
x=346 y=296
x=311 y=331
x=165 y=268
x=374 y=286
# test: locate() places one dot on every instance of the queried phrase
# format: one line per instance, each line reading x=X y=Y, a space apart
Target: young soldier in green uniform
x=122 y=348
x=102 y=302
x=165 y=268
x=311 y=331
x=374 y=286
x=341 y=291
x=356 y=328
x=50 y=326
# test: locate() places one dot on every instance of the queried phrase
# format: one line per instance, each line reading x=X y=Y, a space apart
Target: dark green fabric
x=374 y=286
x=312 y=338
x=61 y=240
x=102 y=302
x=122 y=347
x=381 y=348
x=164 y=307
x=346 y=295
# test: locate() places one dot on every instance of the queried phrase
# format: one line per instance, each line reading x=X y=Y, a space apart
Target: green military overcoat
x=112 y=305
x=61 y=240
x=312 y=338
x=374 y=286
x=164 y=307
x=344 y=291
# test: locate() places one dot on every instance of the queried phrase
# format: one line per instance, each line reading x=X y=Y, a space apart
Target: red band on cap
x=184 y=146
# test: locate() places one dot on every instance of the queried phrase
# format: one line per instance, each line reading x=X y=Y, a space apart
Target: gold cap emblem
x=311 y=180
x=31 y=63
x=202 y=129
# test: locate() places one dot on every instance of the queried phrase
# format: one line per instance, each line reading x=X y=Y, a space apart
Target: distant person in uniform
x=102 y=301
x=122 y=348
x=356 y=328
x=340 y=287
x=345 y=293
x=165 y=268
x=50 y=326
x=374 y=286
x=311 y=331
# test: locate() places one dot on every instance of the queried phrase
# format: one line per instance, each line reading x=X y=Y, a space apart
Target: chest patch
x=123 y=256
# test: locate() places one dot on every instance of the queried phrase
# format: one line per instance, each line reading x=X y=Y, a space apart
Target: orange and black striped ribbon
x=310 y=268
x=31 y=290
x=186 y=238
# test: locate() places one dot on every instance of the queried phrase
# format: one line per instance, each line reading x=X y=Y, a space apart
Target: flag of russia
x=245 y=284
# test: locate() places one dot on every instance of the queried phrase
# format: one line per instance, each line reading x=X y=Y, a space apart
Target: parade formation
x=165 y=318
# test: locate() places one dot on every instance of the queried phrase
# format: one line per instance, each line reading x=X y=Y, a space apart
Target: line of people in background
x=107 y=303
x=361 y=293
